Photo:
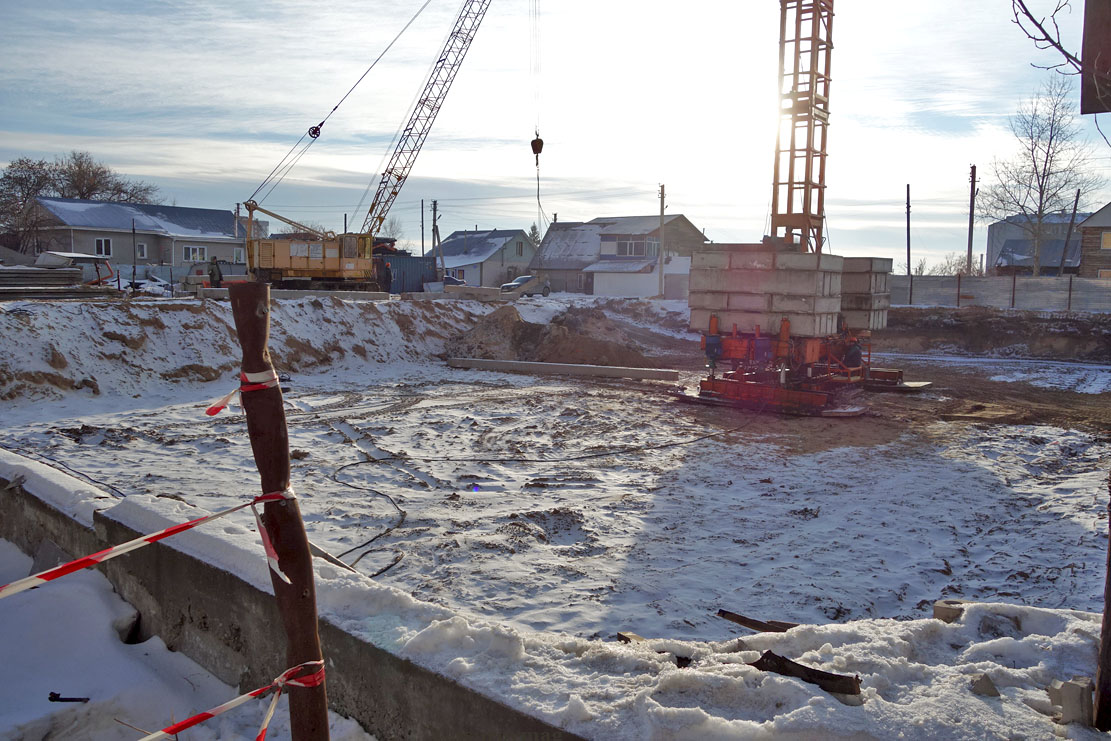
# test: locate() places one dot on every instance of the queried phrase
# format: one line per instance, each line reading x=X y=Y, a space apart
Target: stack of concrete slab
x=865 y=295
x=751 y=286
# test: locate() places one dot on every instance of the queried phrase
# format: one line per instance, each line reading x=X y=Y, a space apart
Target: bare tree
x=23 y=180
x=78 y=175
x=75 y=175
x=919 y=268
x=954 y=263
x=1049 y=167
x=1045 y=32
x=393 y=228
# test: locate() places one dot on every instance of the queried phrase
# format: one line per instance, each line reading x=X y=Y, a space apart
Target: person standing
x=215 y=275
x=387 y=278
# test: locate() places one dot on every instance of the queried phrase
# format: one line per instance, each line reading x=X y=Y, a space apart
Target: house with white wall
x=486 y=257
x=617 y=256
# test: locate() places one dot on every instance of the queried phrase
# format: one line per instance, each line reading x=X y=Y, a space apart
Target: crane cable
x=534 y=74
x=313 y=132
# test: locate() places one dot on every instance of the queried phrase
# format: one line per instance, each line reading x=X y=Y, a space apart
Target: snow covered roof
x=473 y=247
x=1051 y=218
x=569 y=245
x=171 y=221
x=633 y=225
x=1019 y=253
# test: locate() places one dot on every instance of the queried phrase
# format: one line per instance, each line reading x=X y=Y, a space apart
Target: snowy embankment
x=534 y=566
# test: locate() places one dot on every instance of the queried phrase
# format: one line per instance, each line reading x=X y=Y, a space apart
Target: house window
x=1103 y=274
x=194 y=253
x=627 y=248
x=104 y=247
x=459 y=274
x=1105 y=241
x=238 y=255
x=141 y=251
x=520 y=249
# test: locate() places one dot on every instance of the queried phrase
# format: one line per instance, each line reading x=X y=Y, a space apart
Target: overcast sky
x=204 y=98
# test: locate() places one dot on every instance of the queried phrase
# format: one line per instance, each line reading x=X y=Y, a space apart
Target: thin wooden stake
x=266 y=426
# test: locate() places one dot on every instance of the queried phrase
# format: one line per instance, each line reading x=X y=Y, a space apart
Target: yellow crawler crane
x=315 y=259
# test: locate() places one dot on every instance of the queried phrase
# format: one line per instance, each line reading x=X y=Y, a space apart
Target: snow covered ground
x=543 y=515
x=64 y=640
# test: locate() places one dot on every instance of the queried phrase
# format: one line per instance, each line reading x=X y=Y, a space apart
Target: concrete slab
x=867 y=265
x=802 y=325
x=865 y=301
x=572 y=369
x=864 y=283
x=711 y=260
x=865 y=319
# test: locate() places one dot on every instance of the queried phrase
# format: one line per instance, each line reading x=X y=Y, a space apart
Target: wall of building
x=1095 y=253
x=160 y=249
x=1065 y=293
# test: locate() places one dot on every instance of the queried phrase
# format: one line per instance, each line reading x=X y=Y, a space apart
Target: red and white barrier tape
x=289 y=678
x=82 y=563
x=248 y=382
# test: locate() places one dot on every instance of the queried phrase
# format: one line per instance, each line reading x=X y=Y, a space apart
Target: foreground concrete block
x=1075 y=699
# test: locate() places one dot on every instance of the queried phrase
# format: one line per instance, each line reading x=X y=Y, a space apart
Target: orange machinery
x=794 y=375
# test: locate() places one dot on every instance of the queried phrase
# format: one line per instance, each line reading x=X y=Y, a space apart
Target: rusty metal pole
x=1103 y=672
x=266 y=425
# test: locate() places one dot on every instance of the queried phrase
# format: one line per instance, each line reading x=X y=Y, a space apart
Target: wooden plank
x=568 y=369
x=764 y=626
x=840 y=683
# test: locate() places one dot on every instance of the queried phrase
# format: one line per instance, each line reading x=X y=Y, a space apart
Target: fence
x=1064 y=293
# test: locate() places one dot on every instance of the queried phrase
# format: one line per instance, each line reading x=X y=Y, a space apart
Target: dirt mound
x=583 y=335
x=997 y=332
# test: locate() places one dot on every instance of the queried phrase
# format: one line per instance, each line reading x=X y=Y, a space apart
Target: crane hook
x=537 y=147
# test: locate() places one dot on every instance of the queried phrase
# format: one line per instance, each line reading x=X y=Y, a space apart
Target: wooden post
x=1014 y=282
x=1069 y=308
x=266 y=426
x=1103 y=672
x=958 y=290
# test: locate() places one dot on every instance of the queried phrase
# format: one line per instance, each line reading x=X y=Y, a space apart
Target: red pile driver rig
x=792 y=375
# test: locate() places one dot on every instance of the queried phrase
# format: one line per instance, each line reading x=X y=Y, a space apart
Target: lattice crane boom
x=424 y=113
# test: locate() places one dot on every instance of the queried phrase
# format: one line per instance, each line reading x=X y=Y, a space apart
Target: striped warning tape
x=294 y=677
x=43 y=577
x=248 y=382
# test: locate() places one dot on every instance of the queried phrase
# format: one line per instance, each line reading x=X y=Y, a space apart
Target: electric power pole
x=660 y=255
x=908 y=229
x=971 y=216
x=422 y=227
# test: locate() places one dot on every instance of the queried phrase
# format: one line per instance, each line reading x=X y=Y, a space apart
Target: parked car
x=451 y=280
x=526 y=285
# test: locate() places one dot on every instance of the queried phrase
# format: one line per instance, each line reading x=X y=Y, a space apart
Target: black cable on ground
x=400 y=521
